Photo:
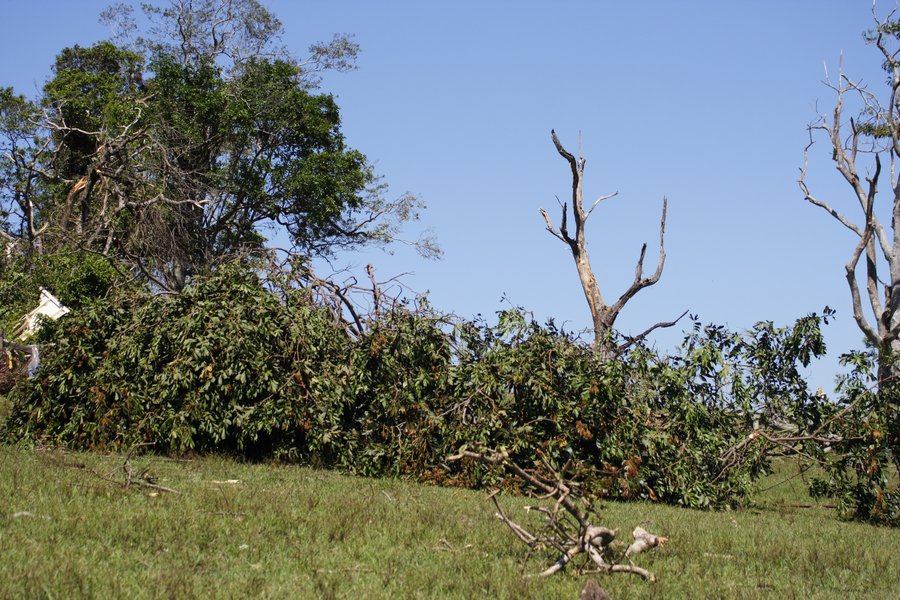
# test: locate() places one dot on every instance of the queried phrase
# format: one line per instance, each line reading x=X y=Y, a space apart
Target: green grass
x=289 y=532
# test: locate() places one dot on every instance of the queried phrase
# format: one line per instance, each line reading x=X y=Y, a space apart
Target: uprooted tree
x=603 y=315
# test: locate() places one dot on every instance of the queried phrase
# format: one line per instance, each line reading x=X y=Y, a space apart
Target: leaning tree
x=862 y=145
x=603 y=315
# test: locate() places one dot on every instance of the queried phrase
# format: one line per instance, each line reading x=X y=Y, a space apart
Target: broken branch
x=567 y=529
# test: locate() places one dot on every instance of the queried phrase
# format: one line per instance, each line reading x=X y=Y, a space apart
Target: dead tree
x=568 y=529
x=859 y=148
x=603 y=315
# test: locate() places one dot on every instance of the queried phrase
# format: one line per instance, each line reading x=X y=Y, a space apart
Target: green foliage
x=94 y=90
x=396 y=412
x=861 y=445
x=15 y=110
x=642 y=426
x=264 y=147
x=18 y=294
x=178 y=150
x=252 y=367
x=75 y=278
x=212 y=368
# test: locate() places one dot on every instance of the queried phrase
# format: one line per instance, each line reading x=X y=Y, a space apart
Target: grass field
x=69 y=529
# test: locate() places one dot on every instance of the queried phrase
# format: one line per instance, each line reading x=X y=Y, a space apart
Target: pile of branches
x=569 y=528
x=266 y=359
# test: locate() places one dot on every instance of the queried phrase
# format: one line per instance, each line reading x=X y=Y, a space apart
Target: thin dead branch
x=143 y=479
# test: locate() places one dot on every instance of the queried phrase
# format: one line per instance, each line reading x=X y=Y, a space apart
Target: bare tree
x=231 y=32
x=860 y=146
x=603 y=315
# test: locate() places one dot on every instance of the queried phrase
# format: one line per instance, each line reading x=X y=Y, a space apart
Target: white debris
x=644 y=540
x=49 y=306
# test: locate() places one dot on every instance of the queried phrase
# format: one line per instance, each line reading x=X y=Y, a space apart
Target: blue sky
x=704 y=102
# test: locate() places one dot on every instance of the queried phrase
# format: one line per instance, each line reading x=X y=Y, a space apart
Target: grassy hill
x=69 y=529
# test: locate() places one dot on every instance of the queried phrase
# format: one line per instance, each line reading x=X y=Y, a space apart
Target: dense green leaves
x=75 y=278
x=197 y=160
x=250 y=366
x=94 y=92
x=860 y=448
x=212 y=368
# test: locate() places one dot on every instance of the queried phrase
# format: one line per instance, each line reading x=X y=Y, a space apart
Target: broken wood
x=143 y=479
x=644 y=540
x=568 y=530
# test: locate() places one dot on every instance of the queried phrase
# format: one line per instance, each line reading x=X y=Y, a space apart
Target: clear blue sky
x=705 y=102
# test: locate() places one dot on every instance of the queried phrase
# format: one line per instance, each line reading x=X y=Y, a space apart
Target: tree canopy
x=170 y=151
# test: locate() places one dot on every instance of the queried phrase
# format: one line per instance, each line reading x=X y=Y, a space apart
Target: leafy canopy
x=171 y=151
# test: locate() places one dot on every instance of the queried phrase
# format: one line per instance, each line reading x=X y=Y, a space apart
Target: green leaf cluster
x=76 y=278
x=862 y=460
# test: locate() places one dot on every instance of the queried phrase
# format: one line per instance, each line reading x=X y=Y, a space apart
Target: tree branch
x=565 y=154
x=572 y=535
x=551 y=228
x=641 y=282
x=850 y=269
x=820 y=203
x=598 y=201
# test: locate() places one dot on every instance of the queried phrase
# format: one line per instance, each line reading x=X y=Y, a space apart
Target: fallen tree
x=274 y=365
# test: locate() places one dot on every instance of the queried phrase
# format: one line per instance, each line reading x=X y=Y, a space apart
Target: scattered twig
x=142 y=479
x=145 y=479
